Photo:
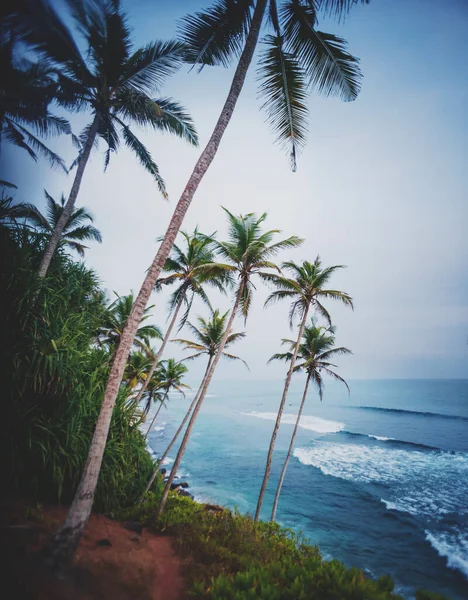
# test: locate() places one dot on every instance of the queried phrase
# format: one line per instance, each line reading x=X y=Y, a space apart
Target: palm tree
x=26 y=90
x=208 y=336
x=327 y=68
x=249 y=251
x=169 y=377
x=305 y=289
x=136 y=370
x=183 y=266
x=109 y=80
x=114 y=322
x=77 y=229
x=315 y=351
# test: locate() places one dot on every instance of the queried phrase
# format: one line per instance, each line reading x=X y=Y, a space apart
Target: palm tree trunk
x=70 y=204
x=266 y=476
x=176 y=435
x=196 y=410
x=66 y=540
x=157 y=358
x=290 y=449
x=157 y=413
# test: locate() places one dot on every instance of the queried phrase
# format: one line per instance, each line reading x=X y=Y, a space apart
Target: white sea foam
x=398 y=507
x=311 y=423
x=421 y=482
x=167 y=461
x=453 y=546
x=158 y=428
x=381 y=438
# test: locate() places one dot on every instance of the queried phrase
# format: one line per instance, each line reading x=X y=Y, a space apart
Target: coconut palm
x=231 y=40
x=136 y=370
x=108 y=79
x=169 y=377
x=249 y=252
x=26 y=90
x=76 y=231
x=114 y=322
x=306 y=289
x=315 y=351
x=183 y=266
x=207 y=340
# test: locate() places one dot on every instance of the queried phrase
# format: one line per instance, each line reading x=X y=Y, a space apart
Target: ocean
x=378 y=479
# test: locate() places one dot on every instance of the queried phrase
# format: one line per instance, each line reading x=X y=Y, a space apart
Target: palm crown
x=208 y=336
x=295 y=56
x=315 y=350
x=113 y=81
x=249 y=251
x=77 y=230
x=185 y=268
x=306 y=288
x=114 y=322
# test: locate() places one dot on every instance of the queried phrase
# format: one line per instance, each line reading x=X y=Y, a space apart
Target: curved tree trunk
x=290 y=449
x=157 y=358
x=70 y=204
x=66 y=540
x=160 y=461
x=196 y=410
x=266 y=476
x=156 y=415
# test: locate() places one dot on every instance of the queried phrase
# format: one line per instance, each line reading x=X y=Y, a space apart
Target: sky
x=381 y=188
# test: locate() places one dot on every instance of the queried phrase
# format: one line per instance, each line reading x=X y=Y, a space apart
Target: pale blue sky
x=381 y=187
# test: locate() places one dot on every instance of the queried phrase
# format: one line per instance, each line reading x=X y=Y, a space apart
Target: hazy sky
x=381 y=187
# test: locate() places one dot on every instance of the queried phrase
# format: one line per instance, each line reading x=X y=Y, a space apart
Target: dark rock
x=135 y=538
x=103 y=542
x=135 y=526
x=163 y=471
x=213 y=508
x=185 y=493
x=182 y=484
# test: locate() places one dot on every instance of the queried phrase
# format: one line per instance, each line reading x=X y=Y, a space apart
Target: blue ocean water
x=379 y=479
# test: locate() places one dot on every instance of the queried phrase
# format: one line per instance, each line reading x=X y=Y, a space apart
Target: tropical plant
x=26 y=90
x=244 y=42
x=208 y=337
x=305 y=289
x=249 y=252
x=169 y=377
x=76 y=231
x=184 y=268
x=109 y=80
x=136 y=370
x=114 y=322
x=316 y=349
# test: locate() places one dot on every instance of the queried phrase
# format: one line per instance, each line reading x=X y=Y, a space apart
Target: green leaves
x=328 y=67
x=283 y=87
x=215 y=36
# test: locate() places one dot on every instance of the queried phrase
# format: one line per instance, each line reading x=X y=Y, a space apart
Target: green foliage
x=53 y=383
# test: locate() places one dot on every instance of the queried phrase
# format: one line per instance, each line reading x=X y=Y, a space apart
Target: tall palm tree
x=26 y=90
x=114 y=322
x=115 y=84
x=136 y=370
x=249 y=252
x=76 y=231
x=315 y=351
x=183 y=266
x=231 y=41
x=305 y=289
x=208 y=336
x=169 y=377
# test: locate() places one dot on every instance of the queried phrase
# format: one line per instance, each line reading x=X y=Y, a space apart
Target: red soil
x=134 y=566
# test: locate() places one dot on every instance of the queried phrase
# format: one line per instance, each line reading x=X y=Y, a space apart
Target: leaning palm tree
x=183 y=268
x=115 y=84
x=329 y=66
x=169 y=377
x=114 y=321
x=26 y=90
x=306 y=289
x=78 y=228
x=315 y=351
x=207 y=340
x=136 y=370
x=249 y=252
